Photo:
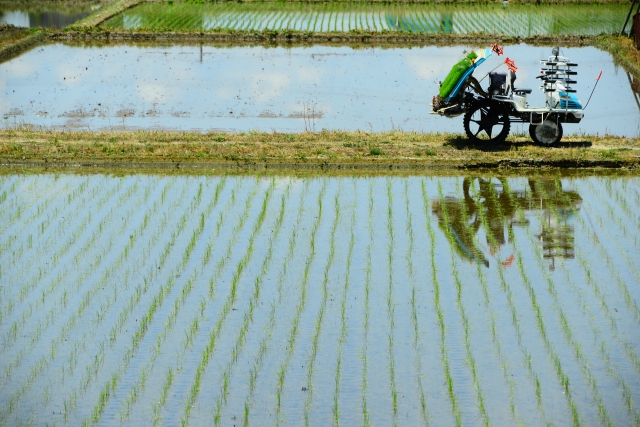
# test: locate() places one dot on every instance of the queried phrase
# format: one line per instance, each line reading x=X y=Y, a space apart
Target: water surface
x=286 y=89
x=262 y=300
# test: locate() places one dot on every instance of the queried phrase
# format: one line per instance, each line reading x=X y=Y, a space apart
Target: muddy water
x=47 y=14
x=207 y=88
x=515 y=20
x=274 y=300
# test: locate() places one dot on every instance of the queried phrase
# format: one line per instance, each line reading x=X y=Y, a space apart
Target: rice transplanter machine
x=488 y=114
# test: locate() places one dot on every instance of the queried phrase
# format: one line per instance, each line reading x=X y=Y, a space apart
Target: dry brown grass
x=322 y=149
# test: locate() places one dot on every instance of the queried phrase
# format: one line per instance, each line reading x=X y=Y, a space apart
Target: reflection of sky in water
x=245 y=88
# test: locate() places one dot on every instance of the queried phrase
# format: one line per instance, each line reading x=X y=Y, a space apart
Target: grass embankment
x=103 y=14
x=15 y=40
x=322 y=150
x=623 y=50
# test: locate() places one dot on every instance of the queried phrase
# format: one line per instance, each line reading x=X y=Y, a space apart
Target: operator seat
x=512 y=76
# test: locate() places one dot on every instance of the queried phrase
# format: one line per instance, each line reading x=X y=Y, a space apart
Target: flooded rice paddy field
x=286 y=89
x=515 y=20
x=332 y=300
x=47 y=14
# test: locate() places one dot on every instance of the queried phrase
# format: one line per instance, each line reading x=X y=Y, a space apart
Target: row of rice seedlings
x=248 y=315
x=178 y=303
x=156 y=303
x=390 y=304
x=199 y=317
x=506 y=370
x=313 y=351
x=561 y=374
x=417 y=345
x=49 y=319
x=143 y=325
x=630 y=352
x=275 y=305
x=21 y=213
x=69 y=325
x=25 y=226
x=25 y=293
x=18 y=325
x=579 y=355
x=295 y=324
x=506 y=288
x=343 y=317
x=611 y=370
x=439 y=312
x=365 y=327
x=631 y=303
x=231 y=298
x=464 y=319
x=92 y=371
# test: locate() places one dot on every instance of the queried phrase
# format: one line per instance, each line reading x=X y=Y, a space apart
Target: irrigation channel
x=515 y=20
x=283 y=300
x=47 y=14
x=287 y=89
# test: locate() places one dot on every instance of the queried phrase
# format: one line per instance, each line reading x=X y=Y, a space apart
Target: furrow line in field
x=148 y=320
x=248 y=315
x=313 y=351
x=293 y=332
x=554 y=358
x=49 y=356
x=390 y=303
x=365 y=327
x=343 y=317
x=579 y=355
x=440 y=314
x=504 y=365
x=35 y=276
x=170 y=321
x=255 y=369
x=218 y=271
x=253 y=302
x=417 y=341
x=464 y=318
x=623 y=287
x=27 y=311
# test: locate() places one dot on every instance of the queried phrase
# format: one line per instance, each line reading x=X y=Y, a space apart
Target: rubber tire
x=491 y=111
x=546 y=133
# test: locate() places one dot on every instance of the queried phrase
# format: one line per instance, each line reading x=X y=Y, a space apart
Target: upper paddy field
x=514 y=20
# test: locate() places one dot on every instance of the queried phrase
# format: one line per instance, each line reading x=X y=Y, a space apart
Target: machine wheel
x=485 y=122
x=548 y=133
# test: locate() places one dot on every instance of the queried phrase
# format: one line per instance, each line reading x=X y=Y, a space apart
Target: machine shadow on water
x=492 y=205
